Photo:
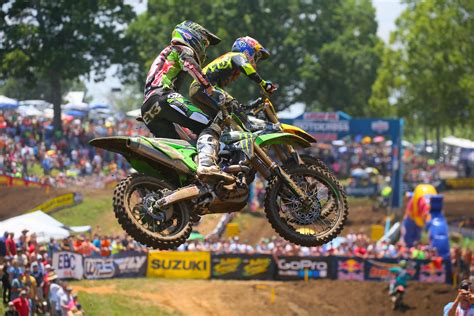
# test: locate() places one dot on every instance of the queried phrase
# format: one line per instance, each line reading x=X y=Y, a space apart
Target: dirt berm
x=17 y=200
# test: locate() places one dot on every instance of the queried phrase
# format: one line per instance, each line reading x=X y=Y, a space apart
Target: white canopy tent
x=40 y=223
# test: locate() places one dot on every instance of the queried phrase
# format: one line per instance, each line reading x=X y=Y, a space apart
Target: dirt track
x=17 y=200
x=199 y=297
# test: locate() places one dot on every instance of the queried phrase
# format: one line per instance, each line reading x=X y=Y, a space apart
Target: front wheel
x=314 y=222
x=133 y=203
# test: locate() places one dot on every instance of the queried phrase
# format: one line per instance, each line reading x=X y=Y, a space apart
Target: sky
x=386 y=13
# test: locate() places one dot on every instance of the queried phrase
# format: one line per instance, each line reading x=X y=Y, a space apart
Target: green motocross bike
x=159 y=204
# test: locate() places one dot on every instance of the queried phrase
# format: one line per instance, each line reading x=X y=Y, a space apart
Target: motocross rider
x=163 y=105
x=222 y=71
x=401 y=276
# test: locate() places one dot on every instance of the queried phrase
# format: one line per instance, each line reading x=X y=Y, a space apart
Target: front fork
x=270 y=167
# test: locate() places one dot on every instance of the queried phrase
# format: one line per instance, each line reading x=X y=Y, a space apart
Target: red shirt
x=22 y=306
x=11 y=246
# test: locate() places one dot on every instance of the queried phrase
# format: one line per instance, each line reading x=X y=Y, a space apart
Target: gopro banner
x=242 y=266
x=299 y=268
x=349 y=268
x=177 y=264
x=68 y=265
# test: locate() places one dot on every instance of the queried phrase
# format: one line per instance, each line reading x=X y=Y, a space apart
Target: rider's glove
x=268 y=86
x=218 y=97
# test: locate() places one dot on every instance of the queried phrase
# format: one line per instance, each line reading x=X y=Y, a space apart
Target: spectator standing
x=29 y=283
x=11 y=311
x=54 y=294
x=105 y=246
x=10 y=245
x=3 y=246
x=22 y=306
x=462 y=305
x=65 y=298
x=6 y=285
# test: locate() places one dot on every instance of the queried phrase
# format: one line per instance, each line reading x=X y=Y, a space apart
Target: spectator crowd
x=32 y=150
x=30 y=284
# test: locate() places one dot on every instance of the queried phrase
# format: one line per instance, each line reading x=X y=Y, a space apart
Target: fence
x=207 y=265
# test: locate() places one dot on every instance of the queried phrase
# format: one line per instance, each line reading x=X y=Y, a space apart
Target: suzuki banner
x=176 y=264
x=242 y=266
x=299 y=268
x=68 y=265
x=123 y=265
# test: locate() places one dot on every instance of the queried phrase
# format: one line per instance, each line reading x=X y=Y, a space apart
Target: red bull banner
x=19 y=182
x=348 y=268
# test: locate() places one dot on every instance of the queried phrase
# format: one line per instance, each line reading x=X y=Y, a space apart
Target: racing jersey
x=226 y=68
x=167 y=71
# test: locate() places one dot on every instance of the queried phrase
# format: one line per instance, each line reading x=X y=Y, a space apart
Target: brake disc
x=304 y=214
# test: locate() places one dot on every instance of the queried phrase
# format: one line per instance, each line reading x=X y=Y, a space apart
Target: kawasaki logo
x=130 y=264
x=178 y=265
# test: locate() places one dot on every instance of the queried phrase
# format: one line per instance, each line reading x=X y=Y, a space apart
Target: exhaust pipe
x=136 y=145
x=179 y=195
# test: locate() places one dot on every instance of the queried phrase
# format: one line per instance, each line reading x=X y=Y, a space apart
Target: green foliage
x=61 y=40
x=324 y=53
x=94 y=210
x=427 y=74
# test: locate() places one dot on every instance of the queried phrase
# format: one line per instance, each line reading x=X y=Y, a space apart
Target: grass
x=116 y=304
x=94 y=211
x=119 y=297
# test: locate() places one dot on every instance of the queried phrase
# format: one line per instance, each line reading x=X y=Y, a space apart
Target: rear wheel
x=133 y=203
x=315 y=222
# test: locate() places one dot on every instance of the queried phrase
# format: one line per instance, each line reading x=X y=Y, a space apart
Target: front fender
x=281 y=139
x=287 y=128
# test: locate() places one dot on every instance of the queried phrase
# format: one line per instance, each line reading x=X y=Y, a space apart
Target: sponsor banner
x=379 y=269
x=99 y=268
x=360 y=191
x=130 y=264
x=127 y=264
x=297 y=268
x=56 y=203
x=349 y=268
x=5 y=180
x=433 y=272
x=68 y=265
x=460 y=183
x=242 y=266
x=17 y=182
x=176 y=264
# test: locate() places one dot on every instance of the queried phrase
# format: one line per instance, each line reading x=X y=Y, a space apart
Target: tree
x=324 y=53
x=427 y=74
x=62 y=40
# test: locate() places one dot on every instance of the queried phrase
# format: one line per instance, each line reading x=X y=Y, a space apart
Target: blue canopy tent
x=76 y=113
x=8 y=103
x=330 y=126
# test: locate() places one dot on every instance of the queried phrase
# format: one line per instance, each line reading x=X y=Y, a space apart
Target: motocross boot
x=207 y=169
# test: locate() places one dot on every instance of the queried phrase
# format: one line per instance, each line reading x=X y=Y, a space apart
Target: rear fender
x=299 y=132
x=281 y=139
x=143 y=156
